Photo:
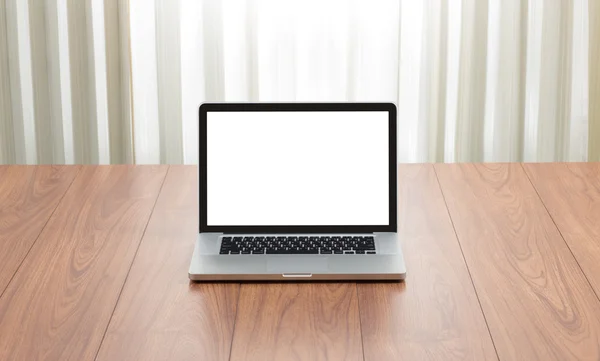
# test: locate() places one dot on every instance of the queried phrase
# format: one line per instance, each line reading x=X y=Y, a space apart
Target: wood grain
x=61 y=299
x=28 y=196
x=160 y=314
x=571 y=192
x=297 y=321
x=535 y=298
x=434 y=314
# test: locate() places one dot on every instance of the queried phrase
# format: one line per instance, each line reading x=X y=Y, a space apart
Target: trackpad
x=297 y=264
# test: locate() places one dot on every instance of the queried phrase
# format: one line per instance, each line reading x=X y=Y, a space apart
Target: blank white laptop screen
x=297 y=168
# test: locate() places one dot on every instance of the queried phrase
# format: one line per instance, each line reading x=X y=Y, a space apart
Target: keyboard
x=233 y=245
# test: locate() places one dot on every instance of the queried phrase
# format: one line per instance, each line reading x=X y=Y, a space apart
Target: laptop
x=297 y=191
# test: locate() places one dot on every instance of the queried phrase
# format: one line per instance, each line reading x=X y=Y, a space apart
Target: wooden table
x=503 y=264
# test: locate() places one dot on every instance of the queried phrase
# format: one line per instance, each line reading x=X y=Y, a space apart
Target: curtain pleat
x=116 y=19
x=506 y=61
x=168 y=55
x=472 y=80
x=434 y=76
x=594 y=84
x=21 y=82
x=61 y=85
x=555 y=79
x=578 y=133
x=193 y=71
x=144 y=80
x=7 y=139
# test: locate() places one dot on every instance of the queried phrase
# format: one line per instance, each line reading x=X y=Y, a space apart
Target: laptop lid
x=297 y=167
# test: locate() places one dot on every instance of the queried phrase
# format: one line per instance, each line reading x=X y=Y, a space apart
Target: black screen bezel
x=262 y=107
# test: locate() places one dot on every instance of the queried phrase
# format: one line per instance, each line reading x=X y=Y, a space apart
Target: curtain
x=117 y=81
x=64 y=82
x=594 y=82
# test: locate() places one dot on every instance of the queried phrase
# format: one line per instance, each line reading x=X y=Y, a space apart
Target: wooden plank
x=297 y=321
x=161 y=315
x=434 y=314
x=60 y=301
x=28 y=196
x=536 y=300
x=571 y=192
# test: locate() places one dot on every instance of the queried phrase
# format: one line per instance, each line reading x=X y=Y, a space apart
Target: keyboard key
x=360 y=252
x=371 y=252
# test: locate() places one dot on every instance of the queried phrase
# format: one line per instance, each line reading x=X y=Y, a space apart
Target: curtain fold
x=594 y=82
x=472 y=80
x=120 y=81
x=64 y=88
x=504 y=127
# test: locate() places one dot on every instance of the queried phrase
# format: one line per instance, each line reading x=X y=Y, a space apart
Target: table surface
x=503 y=263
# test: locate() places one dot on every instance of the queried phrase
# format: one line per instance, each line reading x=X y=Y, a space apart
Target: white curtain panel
x=113 y=81
x=594 y=81
x=64 y=81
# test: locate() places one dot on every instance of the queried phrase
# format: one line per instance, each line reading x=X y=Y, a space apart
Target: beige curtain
x=594 y=90
x=119 y=81
x=64 y=82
